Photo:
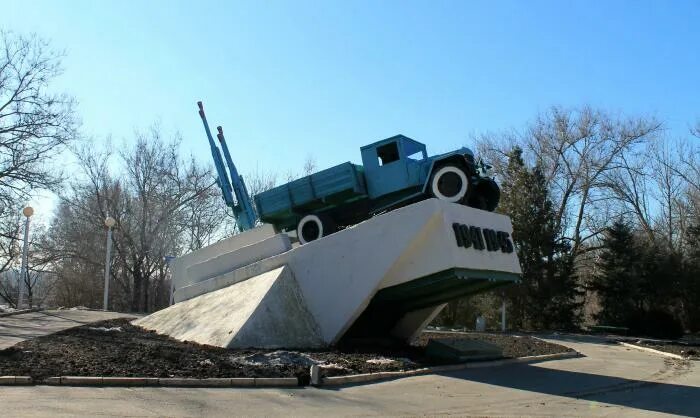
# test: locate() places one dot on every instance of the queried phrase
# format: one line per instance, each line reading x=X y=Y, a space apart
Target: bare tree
x=161 y=205
x=668 y=193
x=695 y=130
x=688 y=167
x=76 y=238
x=160 y=188
x=10 y=221
x=10 y=253
x=579 y=150
x=630 y=184
x=257 y=182
x=35 y=124
x=37 y=279
x=261 y=180
x=205 y=220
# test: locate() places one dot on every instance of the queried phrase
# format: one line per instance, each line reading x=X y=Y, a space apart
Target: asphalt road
x=609 y=381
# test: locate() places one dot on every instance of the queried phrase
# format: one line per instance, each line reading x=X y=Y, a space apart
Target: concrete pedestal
x=389 y=275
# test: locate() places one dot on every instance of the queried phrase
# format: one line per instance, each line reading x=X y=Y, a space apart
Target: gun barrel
x=247 y=219
x=224 y=182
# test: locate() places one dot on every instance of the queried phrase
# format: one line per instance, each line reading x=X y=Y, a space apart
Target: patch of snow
x=105 y=329
x=206 y=362
x=381 y=360
x=332 y=366
x=276 y=358
x=7 y=309
x=384 y=360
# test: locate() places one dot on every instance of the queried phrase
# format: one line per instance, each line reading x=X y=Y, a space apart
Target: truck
x=395 y=172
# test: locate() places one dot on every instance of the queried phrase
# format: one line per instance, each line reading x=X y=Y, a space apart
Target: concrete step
x=180 y=265
x=212 y=268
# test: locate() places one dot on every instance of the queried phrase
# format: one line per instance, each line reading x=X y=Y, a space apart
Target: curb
x=101 y=381
x=15 y=380
x=268 y=382
x=373 y=377
x=653 y=351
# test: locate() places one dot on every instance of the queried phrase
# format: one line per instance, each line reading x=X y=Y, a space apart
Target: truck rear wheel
x=312 y=227
x=449 y=183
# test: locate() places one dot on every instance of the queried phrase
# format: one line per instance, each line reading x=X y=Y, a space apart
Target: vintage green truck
x=395 y=172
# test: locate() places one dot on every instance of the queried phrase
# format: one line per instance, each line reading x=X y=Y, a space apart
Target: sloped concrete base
x=266 y=311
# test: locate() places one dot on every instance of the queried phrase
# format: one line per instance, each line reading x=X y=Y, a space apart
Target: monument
x=379 y=249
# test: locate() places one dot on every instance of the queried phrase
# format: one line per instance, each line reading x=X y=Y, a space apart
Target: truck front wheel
x=312 y=227
x=449 y=183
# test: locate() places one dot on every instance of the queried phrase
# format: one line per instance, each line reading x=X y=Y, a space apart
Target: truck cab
x=398 y=169
x=394 y=164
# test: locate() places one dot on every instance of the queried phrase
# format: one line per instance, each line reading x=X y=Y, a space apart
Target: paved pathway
x=610 y=381
x=16 y=328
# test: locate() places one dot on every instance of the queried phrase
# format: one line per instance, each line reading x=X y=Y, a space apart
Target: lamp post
x=109 y=223
x=27 y=212
x=168 y=260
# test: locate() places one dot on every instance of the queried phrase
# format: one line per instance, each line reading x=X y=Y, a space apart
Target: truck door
x=415 y=155
x=385 y=169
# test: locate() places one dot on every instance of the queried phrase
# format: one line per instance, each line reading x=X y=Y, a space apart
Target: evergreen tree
x=548 y=296
x=617 y=281
x=690 y=298
x=638 y=284
x=562 y=308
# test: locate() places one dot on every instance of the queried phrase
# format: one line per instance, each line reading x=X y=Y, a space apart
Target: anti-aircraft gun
x=242 y=208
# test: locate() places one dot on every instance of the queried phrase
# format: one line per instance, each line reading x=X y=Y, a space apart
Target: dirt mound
x=118 y=348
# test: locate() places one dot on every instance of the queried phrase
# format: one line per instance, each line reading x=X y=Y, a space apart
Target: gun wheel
x=449 y=183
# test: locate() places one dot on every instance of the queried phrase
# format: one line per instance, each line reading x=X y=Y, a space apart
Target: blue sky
x=288 y=79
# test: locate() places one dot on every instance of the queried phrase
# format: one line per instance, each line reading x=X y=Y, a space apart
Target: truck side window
x=388 y=153
x=414 y=151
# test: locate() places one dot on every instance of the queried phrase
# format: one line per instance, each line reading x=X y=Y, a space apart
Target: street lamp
x=27 y=212
x=109 y=223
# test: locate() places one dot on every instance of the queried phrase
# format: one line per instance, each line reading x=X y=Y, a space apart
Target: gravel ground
x=690 y=351
x=513 y=345
x=117 y=348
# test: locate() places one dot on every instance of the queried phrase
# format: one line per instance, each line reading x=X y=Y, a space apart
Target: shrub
x=655 y=324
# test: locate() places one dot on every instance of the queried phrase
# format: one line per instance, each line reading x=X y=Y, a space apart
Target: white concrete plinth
x=332 y=279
